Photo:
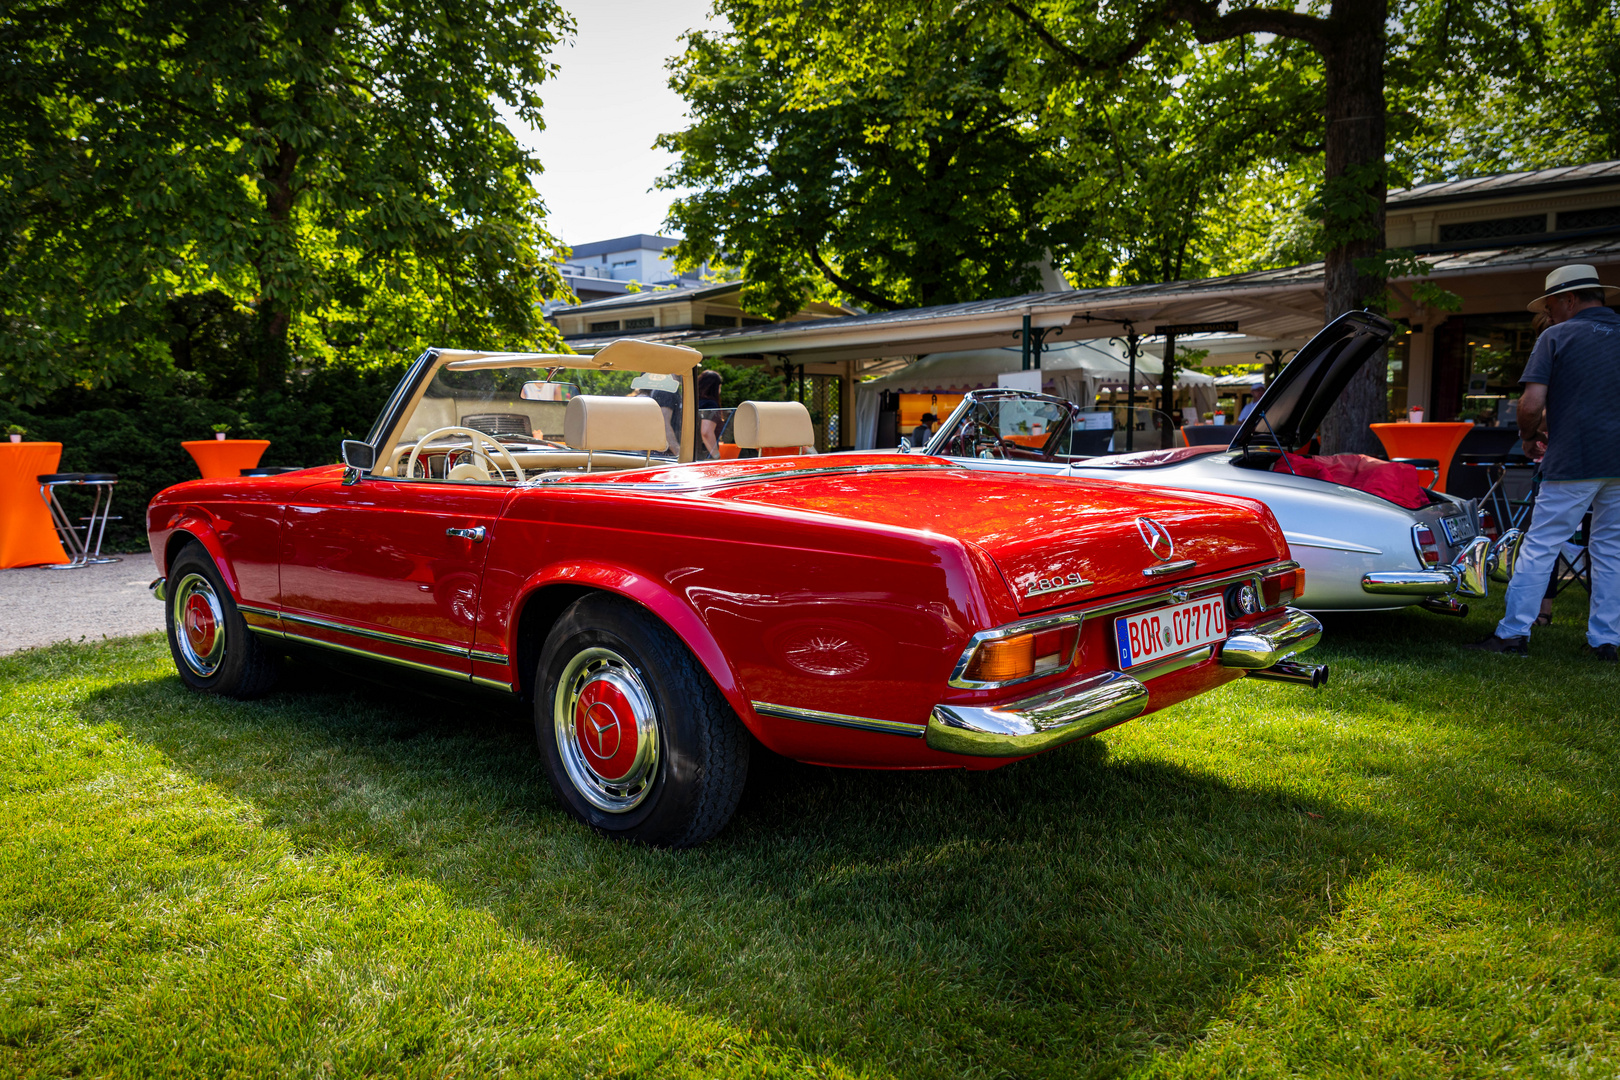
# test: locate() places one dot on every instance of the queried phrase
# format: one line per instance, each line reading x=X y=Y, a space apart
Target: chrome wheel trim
x=193 y=596
x=611 y=675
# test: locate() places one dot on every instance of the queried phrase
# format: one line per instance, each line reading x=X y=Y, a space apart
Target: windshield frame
x=402 y=404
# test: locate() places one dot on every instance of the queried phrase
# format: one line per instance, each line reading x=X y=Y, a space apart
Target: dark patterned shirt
x=1579 y=362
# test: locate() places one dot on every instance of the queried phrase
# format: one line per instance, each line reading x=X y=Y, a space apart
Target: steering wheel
x=474 y=438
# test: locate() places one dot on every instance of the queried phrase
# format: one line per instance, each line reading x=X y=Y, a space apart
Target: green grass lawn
x=1409 y=873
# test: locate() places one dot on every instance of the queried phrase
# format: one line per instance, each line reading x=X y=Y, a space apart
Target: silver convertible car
x=1361 y=550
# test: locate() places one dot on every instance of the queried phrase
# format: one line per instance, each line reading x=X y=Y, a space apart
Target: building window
x=719 y=320
x=1477 y=363
x=604 y=327
x=639 y=324
x=1589 y=219
x=755 y=322
x=1496 y=227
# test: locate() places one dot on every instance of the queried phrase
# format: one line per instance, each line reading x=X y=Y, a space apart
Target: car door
x=389 y=568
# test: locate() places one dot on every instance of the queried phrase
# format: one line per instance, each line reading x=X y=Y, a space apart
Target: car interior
x=508 y=418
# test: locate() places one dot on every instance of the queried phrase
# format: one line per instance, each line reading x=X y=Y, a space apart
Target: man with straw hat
x=1570 y=408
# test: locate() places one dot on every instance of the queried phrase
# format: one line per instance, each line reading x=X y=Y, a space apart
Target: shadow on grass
x=1066 y=915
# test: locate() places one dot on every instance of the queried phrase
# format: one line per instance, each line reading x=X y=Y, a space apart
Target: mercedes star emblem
x=1157 y=538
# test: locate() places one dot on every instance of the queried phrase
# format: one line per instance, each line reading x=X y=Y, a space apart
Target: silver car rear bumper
x=1097 y=702
x=1465 y=575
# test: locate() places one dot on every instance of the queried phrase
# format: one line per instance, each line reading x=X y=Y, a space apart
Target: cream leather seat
x=772 y=423
x=614 y=423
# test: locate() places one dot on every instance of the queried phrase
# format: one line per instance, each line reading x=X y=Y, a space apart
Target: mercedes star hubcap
x=199 y=623
x=606 y=730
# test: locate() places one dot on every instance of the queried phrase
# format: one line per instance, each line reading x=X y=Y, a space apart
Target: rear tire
x=213 y=648
x=638 y=742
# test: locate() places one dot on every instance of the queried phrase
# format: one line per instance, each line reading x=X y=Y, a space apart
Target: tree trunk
x=277 y=251
x=1353 y=201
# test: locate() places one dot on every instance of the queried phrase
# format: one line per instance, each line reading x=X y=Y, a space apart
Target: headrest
x=772 y=423
x=614 y=423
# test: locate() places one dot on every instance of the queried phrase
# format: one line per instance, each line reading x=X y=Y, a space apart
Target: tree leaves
x=323 y=164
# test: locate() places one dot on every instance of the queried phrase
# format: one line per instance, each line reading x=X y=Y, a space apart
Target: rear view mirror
x=548 y=391
x=359 y=455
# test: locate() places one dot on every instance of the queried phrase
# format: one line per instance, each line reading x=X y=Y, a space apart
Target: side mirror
x=359 y=455
x=905 y=444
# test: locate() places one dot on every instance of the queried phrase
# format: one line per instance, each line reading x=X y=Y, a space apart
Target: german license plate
x=1458 y=528
x=1154 y=635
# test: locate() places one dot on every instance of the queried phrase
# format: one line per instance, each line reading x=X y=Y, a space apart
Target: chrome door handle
x=475 y=534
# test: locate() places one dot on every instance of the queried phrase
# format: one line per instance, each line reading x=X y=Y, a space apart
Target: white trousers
x=1560 y=505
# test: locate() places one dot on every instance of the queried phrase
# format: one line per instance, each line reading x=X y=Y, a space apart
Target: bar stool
x=1422 y=464
x=99 y=516
x=80 y=552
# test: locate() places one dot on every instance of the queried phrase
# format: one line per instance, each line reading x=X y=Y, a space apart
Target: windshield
x=1008 y=428
x=517 y=415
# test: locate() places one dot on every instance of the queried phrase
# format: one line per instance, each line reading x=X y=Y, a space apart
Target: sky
x=603 y=111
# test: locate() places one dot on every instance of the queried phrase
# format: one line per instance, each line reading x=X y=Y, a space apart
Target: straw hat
x=1568 y=279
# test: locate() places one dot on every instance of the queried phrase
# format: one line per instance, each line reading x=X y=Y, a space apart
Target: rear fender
x=657 y=599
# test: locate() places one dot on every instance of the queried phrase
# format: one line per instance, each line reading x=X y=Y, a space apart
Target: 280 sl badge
x=1056 y=584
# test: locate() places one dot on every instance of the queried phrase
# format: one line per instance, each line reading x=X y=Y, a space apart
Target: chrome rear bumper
x=1040 y=722
x=1465 y=575
x=1078 y=709
x=1271 y=640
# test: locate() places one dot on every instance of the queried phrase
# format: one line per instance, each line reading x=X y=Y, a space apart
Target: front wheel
x=212 y=646
x=639 y=743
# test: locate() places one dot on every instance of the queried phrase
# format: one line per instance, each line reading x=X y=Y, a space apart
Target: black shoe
x=1605 y=652
x=1518 y=646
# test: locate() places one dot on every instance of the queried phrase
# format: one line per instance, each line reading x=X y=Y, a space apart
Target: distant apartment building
x=604 y=269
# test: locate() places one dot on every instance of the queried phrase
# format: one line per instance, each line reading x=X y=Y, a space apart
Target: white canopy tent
x=1077 y=371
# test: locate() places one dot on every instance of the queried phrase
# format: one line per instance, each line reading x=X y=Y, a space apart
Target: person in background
x=1566 y=413
x=708 y=392
x=924 y=430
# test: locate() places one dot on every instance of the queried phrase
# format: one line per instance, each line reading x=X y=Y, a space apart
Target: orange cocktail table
x=218 y=458
x=1438 y=441
x=27 y=535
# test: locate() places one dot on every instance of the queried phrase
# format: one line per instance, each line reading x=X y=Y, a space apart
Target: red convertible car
x=537 y=525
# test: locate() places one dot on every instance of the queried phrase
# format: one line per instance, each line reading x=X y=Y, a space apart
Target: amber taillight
x=1023 y=656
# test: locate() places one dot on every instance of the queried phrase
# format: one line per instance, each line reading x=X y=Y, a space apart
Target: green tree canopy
x=340 y=171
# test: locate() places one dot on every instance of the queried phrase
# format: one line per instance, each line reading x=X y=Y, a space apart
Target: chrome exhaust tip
x=1312 y=675
x=1444 y=605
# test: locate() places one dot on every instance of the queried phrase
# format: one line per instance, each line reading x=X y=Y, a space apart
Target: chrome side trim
x=378 y=635
x=817 y=716
x=1037 y=723
x=493 y=684
x=488 y=656
x=1270 y=641
x=250 y=609
x=460 y=676
x=1170 y=568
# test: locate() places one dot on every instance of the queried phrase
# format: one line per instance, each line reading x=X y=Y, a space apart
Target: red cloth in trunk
x=1391 y=480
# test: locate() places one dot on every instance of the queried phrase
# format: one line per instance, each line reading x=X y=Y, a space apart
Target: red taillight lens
x=1487 y=524
x=1427 y=549
x=1282 y=587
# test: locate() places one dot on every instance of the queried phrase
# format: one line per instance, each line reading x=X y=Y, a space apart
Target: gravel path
x=40 y=606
